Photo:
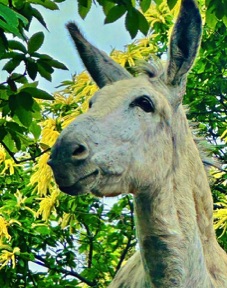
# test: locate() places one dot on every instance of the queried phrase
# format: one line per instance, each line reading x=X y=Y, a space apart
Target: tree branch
x=11 y=154
x=62 y=270
x=129 y=244
x=91 y=238
x=207 y=163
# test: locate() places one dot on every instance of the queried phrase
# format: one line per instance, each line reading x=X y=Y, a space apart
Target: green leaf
x=19 y=78
x=44 y=230
x=8 y=15
x=84 y=7
x=12 y=84
x=28 y=85
x=37 y=93
x=35 y=42
x=45 y=3
x=42 y=56
x=3 y=43
x=115 y=13
x=132 y=22
x=9 y=21
x=57 y=64
x=46 y=65
x=35 y=129
x=133 y=3
x=211 y=19
x=85 y=3
x=143 y=24
x=107 y=6
x=43 y=72
x=44 y=69
x=16 y=45
x=32 y=68
x=21 y=106
x=9 y=28
x=145 y=5
x=3 y=133
x=39 y=17
x=23 y=100
x=171 y=3
x=3 y=94
x=224 y=19
x=22 y=18
x=14 y=55
x=220 y=10
x=24 y=116
x=11 y=65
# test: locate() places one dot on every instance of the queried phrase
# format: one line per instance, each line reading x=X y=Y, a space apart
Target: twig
x=91 y=239
x=213 y=165
x=129 y=244
x=62 y=270
x=22 y=160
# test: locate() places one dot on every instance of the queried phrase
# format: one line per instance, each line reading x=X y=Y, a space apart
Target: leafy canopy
x=48 y=239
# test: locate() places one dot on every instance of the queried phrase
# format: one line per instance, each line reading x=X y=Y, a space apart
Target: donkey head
x=126 y=140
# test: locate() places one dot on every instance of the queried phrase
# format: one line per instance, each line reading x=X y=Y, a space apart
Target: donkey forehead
x=125 y=91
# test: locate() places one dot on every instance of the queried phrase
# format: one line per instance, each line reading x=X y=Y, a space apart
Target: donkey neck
x=174 y=220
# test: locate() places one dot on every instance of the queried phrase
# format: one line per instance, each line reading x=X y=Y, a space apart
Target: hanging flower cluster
x=7 y=253
x=7 y=257
x=220 y=216
x=68 y=103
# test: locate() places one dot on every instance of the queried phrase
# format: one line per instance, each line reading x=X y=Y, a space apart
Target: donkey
x=135 y=138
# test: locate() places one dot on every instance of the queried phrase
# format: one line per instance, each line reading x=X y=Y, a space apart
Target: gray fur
x=121 y=146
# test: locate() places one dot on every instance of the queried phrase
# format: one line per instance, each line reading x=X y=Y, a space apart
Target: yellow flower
x=157 y=13
x=224 y=136
x=49 y=133
x=7 y=256
x=217 y=174
x=119 y=57
x=220 y=216
x=65 y=220
x=20 y=198
x=61 y=99
x=47 y=204
x=176 y=9
x=49 y=123
x=69 y=118
x=43 y=175
x=133 y=52
x=49 y=136
x=2 y=154
x=21 y=204
x=82 y=79
x=3 y=229
x=9 y=166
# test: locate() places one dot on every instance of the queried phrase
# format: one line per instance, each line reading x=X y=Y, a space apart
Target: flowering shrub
x=82 y=241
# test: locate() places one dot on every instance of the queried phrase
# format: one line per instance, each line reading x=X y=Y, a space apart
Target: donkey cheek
x=108 y=163
x=112 y=160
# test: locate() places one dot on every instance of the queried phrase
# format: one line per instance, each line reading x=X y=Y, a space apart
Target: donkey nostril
x=80 y=152
x=80 y=149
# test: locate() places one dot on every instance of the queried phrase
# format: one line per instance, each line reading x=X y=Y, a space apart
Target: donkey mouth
x=82 y=185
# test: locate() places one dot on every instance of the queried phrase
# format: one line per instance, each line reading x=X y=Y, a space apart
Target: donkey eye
x=145 y=103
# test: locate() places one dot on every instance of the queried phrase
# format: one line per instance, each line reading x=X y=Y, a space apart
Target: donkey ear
x=184 y=42
x=100 y=66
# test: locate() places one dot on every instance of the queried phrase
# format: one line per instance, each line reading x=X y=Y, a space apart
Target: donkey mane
x=153 y=69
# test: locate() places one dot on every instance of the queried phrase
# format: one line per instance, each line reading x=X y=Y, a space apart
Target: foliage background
x=81 y=242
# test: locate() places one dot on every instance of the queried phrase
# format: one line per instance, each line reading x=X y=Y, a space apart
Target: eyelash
x=145 y=103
